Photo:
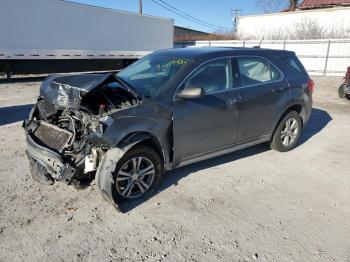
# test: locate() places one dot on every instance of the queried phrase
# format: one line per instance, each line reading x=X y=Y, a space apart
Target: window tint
x=212 y=77
x=255 y=70
x=293 y=62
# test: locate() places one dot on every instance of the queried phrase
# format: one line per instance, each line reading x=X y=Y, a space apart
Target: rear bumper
x=52 y=161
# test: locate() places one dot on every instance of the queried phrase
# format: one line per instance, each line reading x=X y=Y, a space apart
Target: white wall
x=283 y=25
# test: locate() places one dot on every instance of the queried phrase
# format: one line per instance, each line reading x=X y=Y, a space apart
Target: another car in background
x=344 y=88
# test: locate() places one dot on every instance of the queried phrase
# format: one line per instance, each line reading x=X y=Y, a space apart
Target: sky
x=214 y=12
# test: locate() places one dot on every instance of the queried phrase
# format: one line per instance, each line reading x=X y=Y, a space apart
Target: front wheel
x=137 y=173
x=287 y=133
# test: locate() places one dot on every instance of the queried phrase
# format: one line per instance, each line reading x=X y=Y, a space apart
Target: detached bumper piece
x=51 y=161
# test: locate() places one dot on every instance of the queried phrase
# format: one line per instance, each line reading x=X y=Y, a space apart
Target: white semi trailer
x=51 y=36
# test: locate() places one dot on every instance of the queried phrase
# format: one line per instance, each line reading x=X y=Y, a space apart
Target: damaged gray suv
x=169 y=109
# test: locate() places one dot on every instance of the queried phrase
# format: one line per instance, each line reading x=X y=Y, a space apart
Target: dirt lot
x=255 y=204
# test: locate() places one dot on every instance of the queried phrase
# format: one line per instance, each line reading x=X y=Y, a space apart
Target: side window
x=214 y=76
x=294 y=63
x=255 y=70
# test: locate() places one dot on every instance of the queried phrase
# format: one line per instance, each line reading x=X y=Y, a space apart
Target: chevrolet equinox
x=169 y=109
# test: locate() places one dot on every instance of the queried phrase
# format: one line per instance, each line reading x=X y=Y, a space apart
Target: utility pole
x=234 y=15
x=140 y=7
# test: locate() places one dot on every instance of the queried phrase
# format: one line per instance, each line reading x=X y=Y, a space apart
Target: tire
x=128 y=184
x=285 y=139
x=341 y=91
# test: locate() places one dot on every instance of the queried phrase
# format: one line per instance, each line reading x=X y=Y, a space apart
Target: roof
x=109 y=9
x=209 y=52
x=322 y=3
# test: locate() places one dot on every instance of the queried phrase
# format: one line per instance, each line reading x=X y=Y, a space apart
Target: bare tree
x=293 y=5
x=273 y=6
x=308 y=29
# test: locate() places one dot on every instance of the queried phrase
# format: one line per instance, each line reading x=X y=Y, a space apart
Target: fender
x=283 y=112
x=139 y=137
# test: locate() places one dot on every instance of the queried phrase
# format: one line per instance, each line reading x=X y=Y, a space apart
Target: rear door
x=208 y=122
x=263 y=93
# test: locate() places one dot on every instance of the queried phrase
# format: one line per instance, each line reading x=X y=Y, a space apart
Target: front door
x=209 y=122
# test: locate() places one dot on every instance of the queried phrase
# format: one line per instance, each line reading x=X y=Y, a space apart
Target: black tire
x=147 y=154
x=277 y=143
x=341 y=91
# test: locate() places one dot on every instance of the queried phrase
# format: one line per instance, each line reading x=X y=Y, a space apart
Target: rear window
x=293 y=63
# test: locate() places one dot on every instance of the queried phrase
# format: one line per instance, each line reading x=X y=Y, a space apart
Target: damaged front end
x=70 y=110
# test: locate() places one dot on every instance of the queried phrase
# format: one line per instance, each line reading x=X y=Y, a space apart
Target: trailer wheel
x=8 y=76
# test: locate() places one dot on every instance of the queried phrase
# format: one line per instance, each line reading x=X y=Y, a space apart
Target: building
x=317 y=4
x=188 y=34
x=314 y=19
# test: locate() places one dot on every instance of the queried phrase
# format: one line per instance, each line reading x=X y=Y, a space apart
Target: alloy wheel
x=289 y=132
x=135 y=177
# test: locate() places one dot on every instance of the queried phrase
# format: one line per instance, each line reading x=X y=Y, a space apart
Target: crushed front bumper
x=52 y=161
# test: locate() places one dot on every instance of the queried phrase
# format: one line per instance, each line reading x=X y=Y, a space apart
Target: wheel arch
x=143 y=138
x=297 y=107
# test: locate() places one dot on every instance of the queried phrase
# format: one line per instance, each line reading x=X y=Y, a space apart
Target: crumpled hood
x=67 y=90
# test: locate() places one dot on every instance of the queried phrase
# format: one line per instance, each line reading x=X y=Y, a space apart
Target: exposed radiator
x=52 y=136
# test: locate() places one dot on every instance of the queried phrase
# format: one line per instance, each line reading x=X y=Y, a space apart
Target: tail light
x=102 y=108
x=311 y=86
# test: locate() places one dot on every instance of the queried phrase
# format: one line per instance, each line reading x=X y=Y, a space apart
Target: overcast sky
x=214 y=12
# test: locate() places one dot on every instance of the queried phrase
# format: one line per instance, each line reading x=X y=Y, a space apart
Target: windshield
x=151 y=74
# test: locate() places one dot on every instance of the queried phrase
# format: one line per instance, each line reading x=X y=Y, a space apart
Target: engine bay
x=63 y=119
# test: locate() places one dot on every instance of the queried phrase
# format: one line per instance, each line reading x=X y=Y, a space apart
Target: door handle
x=279 y=89
x=236 y=100
x=228 y=103
x=231 y=102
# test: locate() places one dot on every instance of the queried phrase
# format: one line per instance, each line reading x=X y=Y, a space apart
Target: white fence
x=320 y=57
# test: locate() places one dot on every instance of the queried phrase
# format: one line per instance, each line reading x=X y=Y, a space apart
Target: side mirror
x=190 y=92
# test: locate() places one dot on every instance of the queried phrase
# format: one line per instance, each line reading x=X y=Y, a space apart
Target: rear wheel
x=137 y=173
x=287 y=133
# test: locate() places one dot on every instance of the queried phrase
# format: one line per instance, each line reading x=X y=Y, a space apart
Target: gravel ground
x=255 y=204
